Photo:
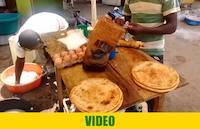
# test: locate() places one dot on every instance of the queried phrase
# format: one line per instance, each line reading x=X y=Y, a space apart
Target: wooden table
x=118 y=71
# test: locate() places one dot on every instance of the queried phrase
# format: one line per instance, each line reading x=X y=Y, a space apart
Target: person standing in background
x=149 y=21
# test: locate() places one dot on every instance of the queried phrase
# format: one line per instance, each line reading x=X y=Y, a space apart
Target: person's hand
x=120 y=21
x=134 y=28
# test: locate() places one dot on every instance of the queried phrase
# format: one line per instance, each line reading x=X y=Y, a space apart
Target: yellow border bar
x=78 y=120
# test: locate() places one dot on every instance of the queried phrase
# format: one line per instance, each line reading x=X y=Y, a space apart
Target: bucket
x=9 y=23
x=4 y=39
x=22 y=88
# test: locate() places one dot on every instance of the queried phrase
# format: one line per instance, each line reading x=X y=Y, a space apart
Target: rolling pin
x=134 y=44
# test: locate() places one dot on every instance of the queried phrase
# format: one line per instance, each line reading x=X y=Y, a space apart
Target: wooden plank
x=74 y=75
x=59 y=87
x=118 y=71
x=54 y=46
x=131 y=96
x=158 y=103
x=123 y=63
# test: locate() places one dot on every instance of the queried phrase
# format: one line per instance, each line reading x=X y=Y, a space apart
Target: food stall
x=118 y=71
x=119 y=85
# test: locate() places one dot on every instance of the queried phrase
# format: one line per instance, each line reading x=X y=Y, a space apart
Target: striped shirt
x=150 y=13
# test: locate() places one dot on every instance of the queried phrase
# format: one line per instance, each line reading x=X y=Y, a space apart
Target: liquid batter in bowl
x=26 y=77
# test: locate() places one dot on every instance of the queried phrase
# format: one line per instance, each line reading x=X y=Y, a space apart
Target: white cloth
x=41 y=23
x=20 y=52
x=74 y=39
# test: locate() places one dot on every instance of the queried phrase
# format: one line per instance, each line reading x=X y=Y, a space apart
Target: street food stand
x=118 y=71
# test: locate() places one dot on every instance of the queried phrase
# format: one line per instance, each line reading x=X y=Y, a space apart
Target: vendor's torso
x=148 y=13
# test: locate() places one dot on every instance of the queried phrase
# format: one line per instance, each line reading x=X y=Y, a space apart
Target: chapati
x=153 y=75
x=97 y=95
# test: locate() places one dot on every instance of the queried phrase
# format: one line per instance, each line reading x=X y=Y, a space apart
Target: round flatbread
x=157 y=90
x=153 y=75
x=97 y=95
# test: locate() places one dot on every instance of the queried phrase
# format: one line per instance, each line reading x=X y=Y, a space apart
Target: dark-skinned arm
x=19 y=65
x=168 y=28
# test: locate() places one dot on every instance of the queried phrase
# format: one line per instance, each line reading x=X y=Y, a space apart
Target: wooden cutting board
x=123 y=64
x=118 y=71
x=74 y=75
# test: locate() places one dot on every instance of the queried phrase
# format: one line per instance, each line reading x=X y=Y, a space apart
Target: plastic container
x=4 y=39
x=22 y=88
x=85 y=29
x=191 y=21
x=9 y=23
x=113 y=54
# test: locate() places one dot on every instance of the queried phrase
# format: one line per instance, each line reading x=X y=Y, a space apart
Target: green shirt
x=150 y=13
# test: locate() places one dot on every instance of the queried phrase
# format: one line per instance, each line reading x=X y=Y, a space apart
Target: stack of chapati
x=155 y=77
x=97 y=95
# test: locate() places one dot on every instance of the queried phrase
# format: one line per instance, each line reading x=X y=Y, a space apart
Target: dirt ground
x=182 y=53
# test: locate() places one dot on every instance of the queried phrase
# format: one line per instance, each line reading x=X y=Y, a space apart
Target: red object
x=22 y=88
